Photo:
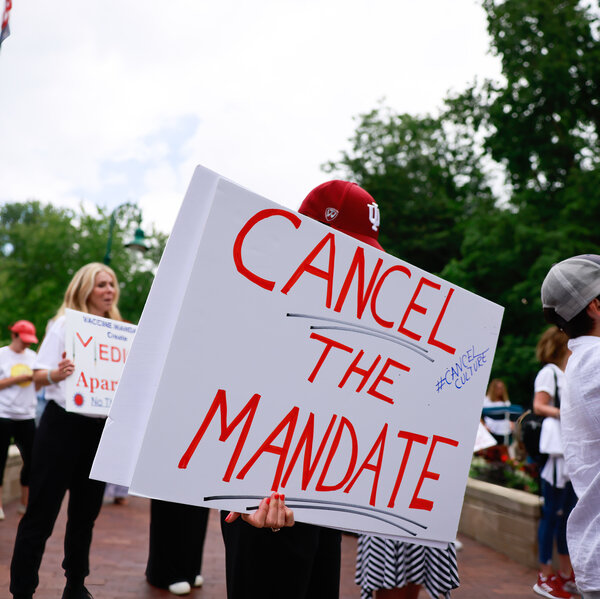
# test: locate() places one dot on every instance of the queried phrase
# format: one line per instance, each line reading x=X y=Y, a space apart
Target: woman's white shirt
x=17 y=402
x=552 y=379
x=497 y=426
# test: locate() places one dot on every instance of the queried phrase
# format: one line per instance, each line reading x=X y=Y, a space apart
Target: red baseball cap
x=346 y=207
x=26 y=331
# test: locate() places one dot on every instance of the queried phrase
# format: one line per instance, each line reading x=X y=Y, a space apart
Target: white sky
x=110 y=101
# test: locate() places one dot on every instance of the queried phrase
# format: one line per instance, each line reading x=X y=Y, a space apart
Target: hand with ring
x=271 y=513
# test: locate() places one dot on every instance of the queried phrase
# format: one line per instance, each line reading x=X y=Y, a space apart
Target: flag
x=5 y=32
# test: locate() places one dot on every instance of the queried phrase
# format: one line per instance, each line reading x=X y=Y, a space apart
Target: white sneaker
x=180 y=588
x=21 y=509
x=1 y=514
x=199 y=581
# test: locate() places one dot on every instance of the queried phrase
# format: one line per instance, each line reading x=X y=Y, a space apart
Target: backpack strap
x=556 y=391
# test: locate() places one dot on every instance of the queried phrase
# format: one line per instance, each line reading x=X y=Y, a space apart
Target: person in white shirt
x=557 y=490
x=17 y=402
x=499 y=425
x=64 y=449
x=571 y=300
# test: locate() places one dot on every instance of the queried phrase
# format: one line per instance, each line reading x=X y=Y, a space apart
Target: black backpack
x=528 y=429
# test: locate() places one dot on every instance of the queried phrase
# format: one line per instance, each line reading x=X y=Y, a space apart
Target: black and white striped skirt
x=387 y=564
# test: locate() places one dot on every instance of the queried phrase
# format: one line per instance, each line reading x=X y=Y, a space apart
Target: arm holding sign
x=51 y=376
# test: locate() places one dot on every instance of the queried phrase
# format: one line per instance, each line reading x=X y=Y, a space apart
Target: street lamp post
x=138 y=242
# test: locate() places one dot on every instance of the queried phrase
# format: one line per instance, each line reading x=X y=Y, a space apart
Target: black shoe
x=76 y=592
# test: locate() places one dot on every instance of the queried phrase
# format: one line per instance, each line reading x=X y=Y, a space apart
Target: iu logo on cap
x=330 y=214
x=374 y=215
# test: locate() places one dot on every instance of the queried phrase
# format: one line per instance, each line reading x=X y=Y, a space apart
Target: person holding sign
x=64 y=449
x=390 y=568
x=300 y=561
x=17 y=402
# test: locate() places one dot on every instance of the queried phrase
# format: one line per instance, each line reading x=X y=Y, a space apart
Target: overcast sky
x=109 y=101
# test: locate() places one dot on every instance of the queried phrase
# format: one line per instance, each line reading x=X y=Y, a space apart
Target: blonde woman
x=64 y=448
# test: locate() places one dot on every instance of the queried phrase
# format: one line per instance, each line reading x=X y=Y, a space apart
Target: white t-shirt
x=580 y=418
x=546 y=381
x=496 y=426
x=17 y=402
x=49 y=355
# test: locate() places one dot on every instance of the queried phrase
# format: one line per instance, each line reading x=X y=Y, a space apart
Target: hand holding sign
x=271 y=513
x=65 y=368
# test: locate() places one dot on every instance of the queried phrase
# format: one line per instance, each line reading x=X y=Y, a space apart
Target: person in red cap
x=346 y=207
x=17 y=402
x=300 y=561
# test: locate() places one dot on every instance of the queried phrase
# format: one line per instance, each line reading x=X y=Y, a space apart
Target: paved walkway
x=120 y=546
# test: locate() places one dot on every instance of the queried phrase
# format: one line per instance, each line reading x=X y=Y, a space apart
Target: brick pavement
x=120 y=545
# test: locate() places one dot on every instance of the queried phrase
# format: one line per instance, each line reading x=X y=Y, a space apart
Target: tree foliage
x=42 y=246
x=539 y=125
x=426 y=180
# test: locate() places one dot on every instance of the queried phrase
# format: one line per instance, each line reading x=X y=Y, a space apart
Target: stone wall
x=504 y=519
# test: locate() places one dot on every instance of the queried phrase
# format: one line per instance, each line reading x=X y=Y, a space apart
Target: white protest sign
x=484 y=439
x=295 y=358
x=99 y=348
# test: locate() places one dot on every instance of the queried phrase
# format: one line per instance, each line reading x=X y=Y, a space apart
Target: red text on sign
x=415 y=319
x=111 y=353
x=282 y=443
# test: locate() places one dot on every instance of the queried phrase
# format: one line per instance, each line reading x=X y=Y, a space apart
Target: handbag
x=528 y=429
x=550 y=439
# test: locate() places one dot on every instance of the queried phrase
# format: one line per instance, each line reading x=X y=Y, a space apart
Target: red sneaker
x=550 y=586
x=569 y=583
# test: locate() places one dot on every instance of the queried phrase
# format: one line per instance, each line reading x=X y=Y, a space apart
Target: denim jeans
x=558 y=504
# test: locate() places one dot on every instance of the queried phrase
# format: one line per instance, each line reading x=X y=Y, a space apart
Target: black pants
x=22 y=431
x=177 y=534
x=63 y=451
x=301 y=562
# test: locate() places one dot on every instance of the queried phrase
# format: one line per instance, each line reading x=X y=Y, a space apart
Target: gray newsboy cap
x=571 y=285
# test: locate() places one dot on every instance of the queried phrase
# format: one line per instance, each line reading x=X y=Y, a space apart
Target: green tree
x=541 y=122
x=426 y=179
x=539 y=125
x=41 y=247
x=545 y=116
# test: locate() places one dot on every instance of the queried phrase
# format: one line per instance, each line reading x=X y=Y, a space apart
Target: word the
x=363 y=373
x=463 y=370
x=372 y=452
